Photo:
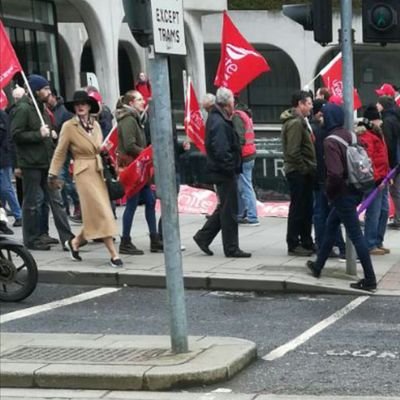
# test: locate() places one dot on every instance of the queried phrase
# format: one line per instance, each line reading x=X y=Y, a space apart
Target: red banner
x=240 y=63
x=138 y=173
x=111 y=144
x=332 y=78
x=9 y=64
x=194 y=123
x=3 y=100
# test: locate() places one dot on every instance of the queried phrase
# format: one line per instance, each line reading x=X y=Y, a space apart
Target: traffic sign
x=168 y=26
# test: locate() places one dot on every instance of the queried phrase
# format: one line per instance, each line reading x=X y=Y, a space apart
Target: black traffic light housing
x=316 y=17
x=138 y=17
x=381 y=21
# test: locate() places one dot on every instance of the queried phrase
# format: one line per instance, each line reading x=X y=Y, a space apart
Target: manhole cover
x=84 y=354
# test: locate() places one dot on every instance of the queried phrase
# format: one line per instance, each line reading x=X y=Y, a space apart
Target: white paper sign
x=168 y=26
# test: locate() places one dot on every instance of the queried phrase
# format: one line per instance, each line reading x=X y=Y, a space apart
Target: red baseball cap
x=386 y=90
x=96 y=96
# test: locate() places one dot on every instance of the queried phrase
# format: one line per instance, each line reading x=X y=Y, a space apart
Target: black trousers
x=36 y=189
x=224 y=218
x=299 y=223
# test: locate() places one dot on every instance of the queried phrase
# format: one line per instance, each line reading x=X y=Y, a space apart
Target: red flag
x=240 y=63
x=138 y=173
x=332 y=77
x=3 y=100
x=9 y=64
x=111 y=144
x=194 y=123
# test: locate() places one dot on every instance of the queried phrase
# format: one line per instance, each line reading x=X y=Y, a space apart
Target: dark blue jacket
x=6 y=144
x=223 y=147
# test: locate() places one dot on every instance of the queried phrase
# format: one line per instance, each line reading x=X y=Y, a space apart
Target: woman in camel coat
x=82 y=137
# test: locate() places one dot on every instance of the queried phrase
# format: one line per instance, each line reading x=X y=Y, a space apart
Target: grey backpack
x=359 y=165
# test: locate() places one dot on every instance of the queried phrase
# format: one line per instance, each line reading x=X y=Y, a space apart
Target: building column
x=195 y=52
x=103 y=21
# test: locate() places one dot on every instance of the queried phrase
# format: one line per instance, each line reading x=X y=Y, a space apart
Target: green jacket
x=298 y=147
x=131 y=138
x=33 y=150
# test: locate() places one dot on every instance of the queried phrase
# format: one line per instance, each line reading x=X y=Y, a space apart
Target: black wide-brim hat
x=81 y=96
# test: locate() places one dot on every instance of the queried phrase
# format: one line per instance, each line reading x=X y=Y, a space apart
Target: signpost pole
x=168 y=34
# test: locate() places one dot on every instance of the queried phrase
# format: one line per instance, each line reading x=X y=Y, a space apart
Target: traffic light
x=138 y=17
x=316 y=17
x=381 y=21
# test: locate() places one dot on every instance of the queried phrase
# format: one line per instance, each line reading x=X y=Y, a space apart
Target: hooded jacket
x=298 y=147
x=335 y=152
x=374 y=143
x=131 y=138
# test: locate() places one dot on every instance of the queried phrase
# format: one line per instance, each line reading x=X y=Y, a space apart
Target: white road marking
x=27 y=312
x=309 y=333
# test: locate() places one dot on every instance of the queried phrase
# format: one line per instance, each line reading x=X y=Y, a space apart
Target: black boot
x=127 y=247
x=156 y=244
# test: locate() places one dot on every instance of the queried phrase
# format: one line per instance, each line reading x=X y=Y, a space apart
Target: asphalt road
x=357 y=355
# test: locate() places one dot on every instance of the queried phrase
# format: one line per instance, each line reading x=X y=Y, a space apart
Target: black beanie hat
x=317 y=105
x=371 y=113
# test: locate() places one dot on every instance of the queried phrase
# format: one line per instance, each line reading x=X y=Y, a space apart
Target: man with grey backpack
x=344 y=189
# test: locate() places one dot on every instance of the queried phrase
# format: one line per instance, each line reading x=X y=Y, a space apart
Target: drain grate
x=84 y=354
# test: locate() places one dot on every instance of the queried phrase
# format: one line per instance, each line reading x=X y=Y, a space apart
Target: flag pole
x=33 y=98
x=189 y=81
x=327 y=66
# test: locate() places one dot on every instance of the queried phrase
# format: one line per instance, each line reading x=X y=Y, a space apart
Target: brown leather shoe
x=377 y=252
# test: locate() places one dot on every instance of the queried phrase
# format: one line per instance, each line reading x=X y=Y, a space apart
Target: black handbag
x=114 y=186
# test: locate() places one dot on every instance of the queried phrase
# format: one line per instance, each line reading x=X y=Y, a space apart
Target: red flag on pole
x=138 y=173
x=3 y=100
x=111 y=144
x=332 y=77
x=194 y=123
x=240 y=63
x=9 y=64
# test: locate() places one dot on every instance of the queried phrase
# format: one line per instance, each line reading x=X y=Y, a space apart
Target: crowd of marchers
x=55 y=153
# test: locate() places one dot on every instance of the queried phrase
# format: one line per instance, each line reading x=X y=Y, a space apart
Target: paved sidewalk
x=38 y=394
x=118 y=362
x=269 y=269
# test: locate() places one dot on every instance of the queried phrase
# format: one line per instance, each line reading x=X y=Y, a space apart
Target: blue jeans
x=345 y=210
x=147 y=196
x=376 y=218
x=7 y=192
x=321 y=212
x=247 y=202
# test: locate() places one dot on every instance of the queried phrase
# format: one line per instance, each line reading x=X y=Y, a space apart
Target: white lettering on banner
x=235 y=53
x=337 y=87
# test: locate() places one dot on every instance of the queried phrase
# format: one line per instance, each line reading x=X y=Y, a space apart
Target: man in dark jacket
x=35 y=147
x=7 y=192
x=391 y=131
x=299 y=165
x=223 y=165
x=343 y=198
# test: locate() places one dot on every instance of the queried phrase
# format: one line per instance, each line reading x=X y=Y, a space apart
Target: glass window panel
x=46 y=47
x=17 y=9
x=43 y=12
